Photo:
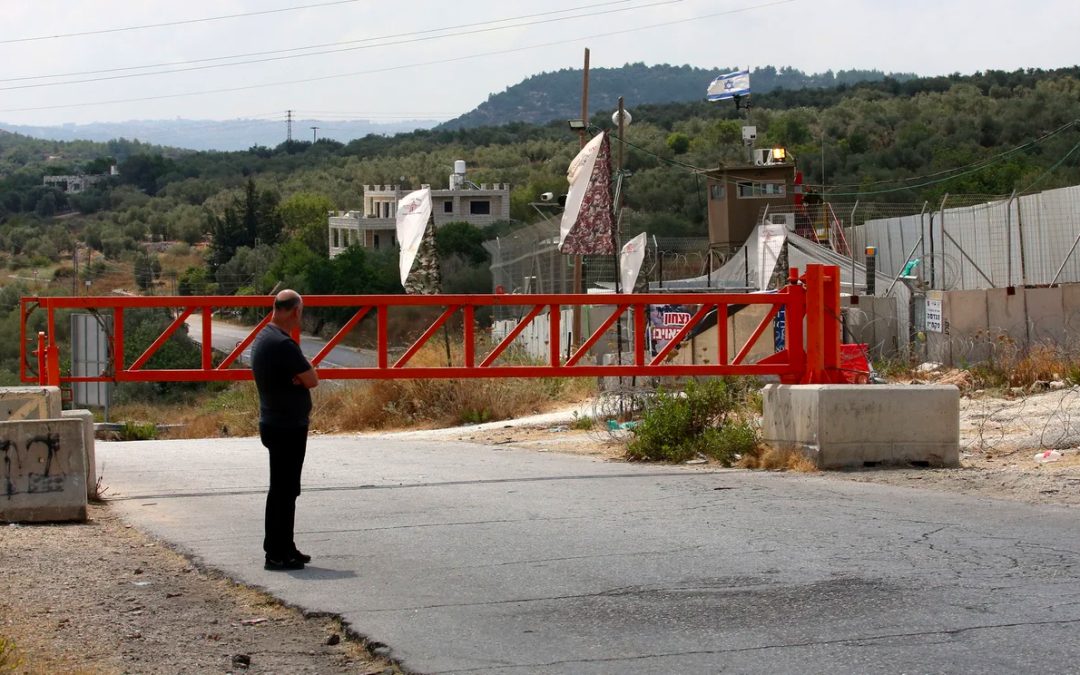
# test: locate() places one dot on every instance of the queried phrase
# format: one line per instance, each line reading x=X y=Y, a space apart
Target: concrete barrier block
x=42 y=470
x=87 y=419
x=846 y=426
x=29 y=403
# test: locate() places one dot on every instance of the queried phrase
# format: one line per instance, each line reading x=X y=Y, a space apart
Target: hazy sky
x=405 y=60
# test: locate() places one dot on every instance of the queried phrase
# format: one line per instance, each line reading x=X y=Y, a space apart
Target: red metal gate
x=812 y=335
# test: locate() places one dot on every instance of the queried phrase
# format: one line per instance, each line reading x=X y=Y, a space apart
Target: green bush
x=582 y=422
x=136 y=431
x=704 y=419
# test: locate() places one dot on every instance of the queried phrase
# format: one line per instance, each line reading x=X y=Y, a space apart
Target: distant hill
x=557 y=96
x=239 y=134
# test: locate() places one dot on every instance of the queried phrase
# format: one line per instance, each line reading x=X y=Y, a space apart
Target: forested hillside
x=557 y=96
x=240 y=222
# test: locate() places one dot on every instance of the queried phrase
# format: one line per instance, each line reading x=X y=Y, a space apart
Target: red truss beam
x=811 y=304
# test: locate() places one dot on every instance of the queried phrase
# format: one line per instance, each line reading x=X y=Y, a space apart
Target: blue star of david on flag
x=729 y=86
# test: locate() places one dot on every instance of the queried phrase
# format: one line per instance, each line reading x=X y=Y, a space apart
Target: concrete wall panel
x=873 y=321
x=1046 y=323
x=1007 y=314
x=966 y=314
x=1070 y=303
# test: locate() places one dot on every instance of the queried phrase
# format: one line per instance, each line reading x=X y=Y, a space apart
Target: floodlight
x=577 y=125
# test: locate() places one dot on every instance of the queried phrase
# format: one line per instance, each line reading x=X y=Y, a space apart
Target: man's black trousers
x=287 y=447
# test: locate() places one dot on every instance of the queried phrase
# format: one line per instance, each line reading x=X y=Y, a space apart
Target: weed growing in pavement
x=10 y=659
x=709 y=417
x=772 y=459
x=97 y=495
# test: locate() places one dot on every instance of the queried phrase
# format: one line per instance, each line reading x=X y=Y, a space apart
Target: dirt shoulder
x=103 y=597
x=999 y=438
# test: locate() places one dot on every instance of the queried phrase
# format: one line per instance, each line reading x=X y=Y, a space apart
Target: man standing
x=283 y=377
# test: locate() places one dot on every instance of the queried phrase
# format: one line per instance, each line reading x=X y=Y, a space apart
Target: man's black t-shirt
x=275 y=361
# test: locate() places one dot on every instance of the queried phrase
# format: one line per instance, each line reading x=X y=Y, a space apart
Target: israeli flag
x=729 y=86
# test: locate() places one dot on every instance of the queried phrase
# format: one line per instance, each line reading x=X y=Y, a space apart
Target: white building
x=375 y=226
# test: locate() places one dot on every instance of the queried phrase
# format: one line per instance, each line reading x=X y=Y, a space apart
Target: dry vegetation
x=773 y=459
x=361 y=405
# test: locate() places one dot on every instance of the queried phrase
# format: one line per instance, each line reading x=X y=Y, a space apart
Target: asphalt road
x=466 y=558
x=226 y=335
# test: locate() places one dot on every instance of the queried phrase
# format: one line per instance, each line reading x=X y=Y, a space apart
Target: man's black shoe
x=302 y=557
x=290 y=563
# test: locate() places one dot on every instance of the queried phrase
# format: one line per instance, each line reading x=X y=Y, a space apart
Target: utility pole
x=288 y=127
x=314 y=134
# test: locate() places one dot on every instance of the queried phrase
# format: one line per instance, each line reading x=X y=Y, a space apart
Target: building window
x=448 y=206
x=375 y=241
x=334 y=237
x=761 y=190
x=717 y=192
x=480 y=208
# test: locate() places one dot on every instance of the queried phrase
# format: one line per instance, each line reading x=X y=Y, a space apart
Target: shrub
x=581 y=422
x=705 y=419
x=137 y=431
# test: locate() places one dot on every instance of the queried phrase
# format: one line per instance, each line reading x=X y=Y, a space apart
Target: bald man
x=284 y=378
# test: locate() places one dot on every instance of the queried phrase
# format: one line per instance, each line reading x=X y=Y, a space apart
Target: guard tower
x=739 y=192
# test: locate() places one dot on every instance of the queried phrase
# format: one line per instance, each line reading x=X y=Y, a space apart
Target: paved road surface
x=465 y=558
x=226 y=335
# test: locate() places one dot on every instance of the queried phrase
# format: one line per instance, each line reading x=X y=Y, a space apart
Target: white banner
x=633 y=254
x=770 y=242
x=413 y=212
x=578 y=174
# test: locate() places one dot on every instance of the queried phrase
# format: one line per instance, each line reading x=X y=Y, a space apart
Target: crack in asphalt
x=449 y=483
x=857 y=641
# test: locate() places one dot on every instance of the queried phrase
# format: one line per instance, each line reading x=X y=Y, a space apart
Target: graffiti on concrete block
x=8 y=448
x=41 y=450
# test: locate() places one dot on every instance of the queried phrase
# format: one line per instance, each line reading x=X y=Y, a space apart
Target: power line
x=283 y=56
x=421 y=64
x=443 y=29
x=182 y=22
x=978 y=166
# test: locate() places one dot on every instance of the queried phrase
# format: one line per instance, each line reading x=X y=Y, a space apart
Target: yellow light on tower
x=779 y=154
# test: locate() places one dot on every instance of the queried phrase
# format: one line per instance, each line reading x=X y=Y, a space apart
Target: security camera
x=547 y=196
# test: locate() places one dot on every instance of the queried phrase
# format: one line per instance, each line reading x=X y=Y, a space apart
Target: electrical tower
x=288 y=126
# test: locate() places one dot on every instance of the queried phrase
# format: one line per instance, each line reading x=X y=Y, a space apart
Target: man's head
x=288 y=306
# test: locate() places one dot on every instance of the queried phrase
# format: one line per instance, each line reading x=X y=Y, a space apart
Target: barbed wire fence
x=528 y=260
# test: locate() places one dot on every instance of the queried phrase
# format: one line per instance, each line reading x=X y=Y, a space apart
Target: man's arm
x=308 y=379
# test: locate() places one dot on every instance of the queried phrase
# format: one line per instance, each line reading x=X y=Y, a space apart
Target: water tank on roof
x=459 y=167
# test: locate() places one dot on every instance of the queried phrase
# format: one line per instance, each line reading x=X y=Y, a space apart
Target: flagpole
x=615 y=225
x=575 y=320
